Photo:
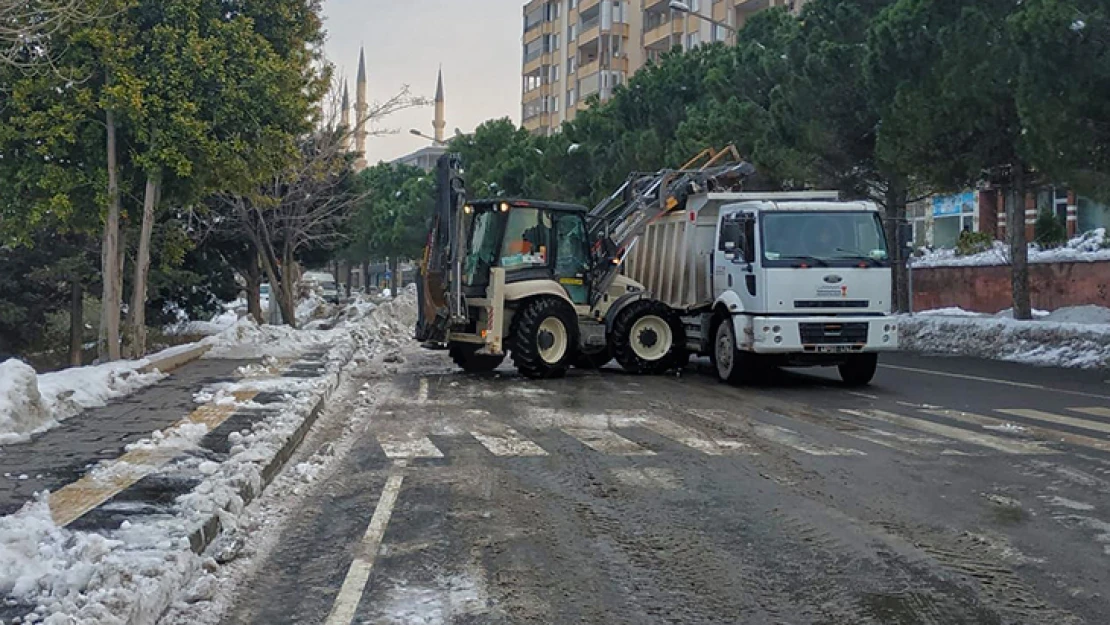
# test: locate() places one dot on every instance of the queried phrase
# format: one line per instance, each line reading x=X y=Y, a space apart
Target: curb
x=203 y=537
x=175 y=361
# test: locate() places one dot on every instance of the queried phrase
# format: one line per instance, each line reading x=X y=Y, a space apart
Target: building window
x=555 y=73
x=572 y=32
x=719 y=33
x=531 y=82
x=572 y=4
x=572 y=65
x=555 y=104
x=572 y=97
x=695 y=5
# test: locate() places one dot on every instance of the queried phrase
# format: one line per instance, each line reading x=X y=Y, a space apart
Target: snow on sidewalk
x=129 y=575
x=1076 y=337
x=1088 y=247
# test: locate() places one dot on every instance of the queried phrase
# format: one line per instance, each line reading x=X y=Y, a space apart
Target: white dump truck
x=773 y=279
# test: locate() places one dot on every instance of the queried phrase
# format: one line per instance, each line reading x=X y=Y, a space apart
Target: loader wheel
x=859 y=369
x=465 y=357
x=648 y=337
x=543 y=338
x=595 y=358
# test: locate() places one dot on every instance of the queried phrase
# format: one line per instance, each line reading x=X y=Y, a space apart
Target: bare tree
x=305 y=204
x=27 y=25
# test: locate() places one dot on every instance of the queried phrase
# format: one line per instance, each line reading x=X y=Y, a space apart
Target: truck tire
x=731 y=365
x=543 y=338
x=463 y=354
x=595 y=358
x=859 y=369
x=648 y=337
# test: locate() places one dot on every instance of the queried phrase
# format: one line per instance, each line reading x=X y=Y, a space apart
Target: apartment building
x=574 y=49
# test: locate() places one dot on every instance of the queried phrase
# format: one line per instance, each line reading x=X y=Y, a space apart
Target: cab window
x=527 y=239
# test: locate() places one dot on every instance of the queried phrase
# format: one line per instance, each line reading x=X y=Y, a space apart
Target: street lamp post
x=424 y=136
x=682 y=7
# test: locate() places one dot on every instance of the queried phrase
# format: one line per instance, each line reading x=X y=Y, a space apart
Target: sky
x=476 y=41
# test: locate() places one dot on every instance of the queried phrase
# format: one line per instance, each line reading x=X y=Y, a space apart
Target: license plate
x=834 y=349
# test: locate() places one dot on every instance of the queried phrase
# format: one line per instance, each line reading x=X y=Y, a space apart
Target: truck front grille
x=833 y=333
x=835 y=303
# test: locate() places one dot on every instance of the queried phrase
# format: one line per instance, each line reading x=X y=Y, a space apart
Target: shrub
x=1049 y=231
x=973 y=243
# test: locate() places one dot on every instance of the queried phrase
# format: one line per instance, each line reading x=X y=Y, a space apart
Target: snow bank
x=1044 y=342
x=31 y=403
x=216 y=325
x=1086 y=248
x=131 y=575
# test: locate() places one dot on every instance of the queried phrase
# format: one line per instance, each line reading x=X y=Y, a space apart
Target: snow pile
x=31 y=403
x=1088 y=247
x=1070 y=337
x=216 y=325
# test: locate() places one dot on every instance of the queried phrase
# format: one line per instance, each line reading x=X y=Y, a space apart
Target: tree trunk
x=366 y=277
x=287 y=296
x=108 y=345
x=76 y=322
x=394 y=278
x=350 y=277
x=1019 y=248
x=896 y=196
x=254 y=282
x=136 y=327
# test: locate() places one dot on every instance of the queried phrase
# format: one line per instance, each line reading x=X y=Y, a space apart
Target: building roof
x=439 y=87
x=361 y=66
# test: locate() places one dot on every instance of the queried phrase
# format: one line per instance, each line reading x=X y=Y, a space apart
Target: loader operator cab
x=530 y=241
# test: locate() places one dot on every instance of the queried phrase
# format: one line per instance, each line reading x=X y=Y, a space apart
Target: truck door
x=734 y=260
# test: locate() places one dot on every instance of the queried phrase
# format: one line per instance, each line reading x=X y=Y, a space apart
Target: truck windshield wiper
x=813 y=260
x=857 y=254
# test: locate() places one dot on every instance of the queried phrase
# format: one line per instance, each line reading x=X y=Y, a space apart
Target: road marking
x=967 y=436
x=690 y=437
x=508 y=442
x=607 y=442
x=422 y=396
x=402 y=446
x=792 y=439
x=901 y=442
x=1041 y=415
x=976 y=378
x=72 y=501
x=863 y=395
x=1035 y=430
x=354 y=585
x=648 y=477
x=1095 y=411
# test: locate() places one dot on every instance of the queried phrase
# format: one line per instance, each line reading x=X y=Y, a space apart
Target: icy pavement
x=1076 y=337
x=131 y=528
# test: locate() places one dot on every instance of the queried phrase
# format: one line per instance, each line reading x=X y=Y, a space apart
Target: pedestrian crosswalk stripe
x=690 y=437
x=1040 y=415
x=607 y=442
x=1094 y=411
x=1035 y=430
x=909 y=444
x=792 y=439
x=975 y=438
x=400 y=446
x=508 y=442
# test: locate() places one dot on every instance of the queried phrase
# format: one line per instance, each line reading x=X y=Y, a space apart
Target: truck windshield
x=828 y=238
x=481 y=248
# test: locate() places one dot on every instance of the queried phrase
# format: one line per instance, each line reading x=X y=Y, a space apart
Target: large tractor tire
x=731 y=365
x=544 y=338
x=594 y=358
x=648 y=338
x=859 y=369
x=465 y=357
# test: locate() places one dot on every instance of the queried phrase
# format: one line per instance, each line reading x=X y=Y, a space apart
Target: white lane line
x=792 y=439
x=508 y=442
x=967 y=436
x=912 y=445
x=354 y=585
x=1094 y=411
x=692 y=438
x=1040 y=415
x=1035 y=430
x=422 y=395
x=408 y=446
x=607 y=442
x=863 y=395
x=976 y=378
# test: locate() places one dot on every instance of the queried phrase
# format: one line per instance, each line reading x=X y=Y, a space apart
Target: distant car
x=325 y=283
x=330 y=291
x=264 y=295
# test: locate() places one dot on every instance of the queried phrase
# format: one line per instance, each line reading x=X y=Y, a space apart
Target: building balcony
x=589 y=32
x=591 y=67
x=585 y=6
x=533 y=64
x=537 y=122
x=534 y=34
x=656 y=6
x=533 y=94
x=661 y=37
x=588 y=85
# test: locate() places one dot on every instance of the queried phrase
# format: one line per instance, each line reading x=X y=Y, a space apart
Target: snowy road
x=952 y=491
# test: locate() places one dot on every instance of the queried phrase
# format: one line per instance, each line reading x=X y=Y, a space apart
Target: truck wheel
x=543 y=338
x=647 y=337
x=595 y=358
x=465 y=357
x=859 y=369
x=731 y=364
